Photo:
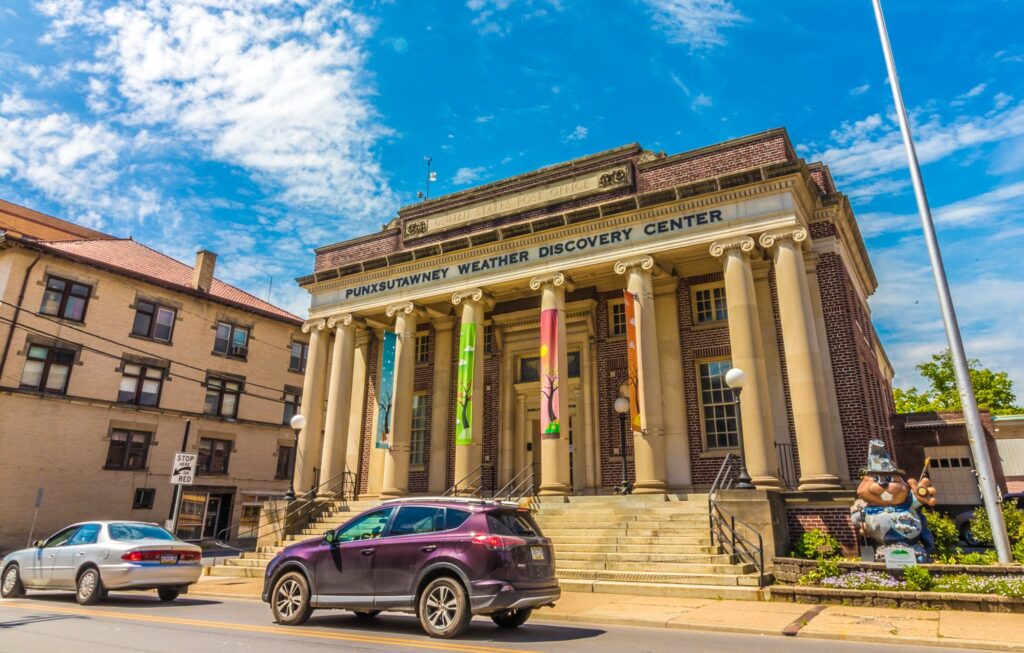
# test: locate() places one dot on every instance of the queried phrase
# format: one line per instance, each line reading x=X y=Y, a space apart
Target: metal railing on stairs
x=521 y=485
x=299 y=512
x=741 y=541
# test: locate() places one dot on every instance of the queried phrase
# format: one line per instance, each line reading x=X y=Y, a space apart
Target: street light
x=622 y=408
x=298 y=423
x=736 y=379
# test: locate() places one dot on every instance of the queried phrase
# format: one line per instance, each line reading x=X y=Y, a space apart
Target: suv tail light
x=498 y=542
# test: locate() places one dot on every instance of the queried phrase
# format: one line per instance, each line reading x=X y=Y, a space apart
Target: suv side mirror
x=329 y=537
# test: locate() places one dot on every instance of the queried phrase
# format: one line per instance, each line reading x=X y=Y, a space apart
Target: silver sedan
x=92 y=558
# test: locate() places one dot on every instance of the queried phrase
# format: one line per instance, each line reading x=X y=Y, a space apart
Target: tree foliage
x=992 y=390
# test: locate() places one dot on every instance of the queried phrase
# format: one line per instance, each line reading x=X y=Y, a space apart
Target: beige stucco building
x=108 y=348
x=736 y=255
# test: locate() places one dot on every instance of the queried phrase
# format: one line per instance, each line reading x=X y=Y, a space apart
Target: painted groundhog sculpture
x=888 y=507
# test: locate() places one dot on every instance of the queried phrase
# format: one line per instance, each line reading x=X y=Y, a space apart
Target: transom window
x=214 y=455
x=153 y=321
x=417 y=445
x=65 y=299
x=128 y=449
x=292 y=401
x=422 y=349
x=617 y=319
x=300 y=351
x=222 y=397
x=47 y=369
x=717 y=406
x=709 y=305
x=231 y=340
x=140 y=385
x=529 y=368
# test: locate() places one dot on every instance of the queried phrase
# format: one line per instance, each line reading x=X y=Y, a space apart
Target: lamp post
x=622 y=408
x=298 y=422
x=736 y=379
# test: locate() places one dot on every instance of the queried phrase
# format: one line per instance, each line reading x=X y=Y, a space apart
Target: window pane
x=418 y=519
x=32 y=374
x=154 y=373
x=240 y=338
x=75 y=308
x=298 y=358
x=37 y=352
x=210 y=405
x=118 y=445
x=229 y=405
x=126 y=393
x=164 y=324
x=150 y=393
x=57 y=377
x=220 y=344
x=142 y=323
x=51 y=303
x=56 y=284
x=137 y=451
x=79 y=290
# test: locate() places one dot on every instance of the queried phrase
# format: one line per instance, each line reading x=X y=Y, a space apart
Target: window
x=144 y=497
x=214 y=455
x=87 y=534
x=367 y=527
x=453 y=518
x=709 y=305
x=284 y=461
x=511 y=523
x=422 y=349
x=47 y=369
x=300 y=351
x=529 y=368
x=417 y=445
x=717 y=406
x=249 y=521
x=128 y=449
x=65 y=299
x=140 y=385
x=153 y=321
x=617 y=319
x=231 y=340
x=129 y=532
x=222 y=397
x=415 y=520
x=61 y=537
x=292 y=401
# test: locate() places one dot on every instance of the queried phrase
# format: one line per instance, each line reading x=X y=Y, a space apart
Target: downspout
x=14 y=320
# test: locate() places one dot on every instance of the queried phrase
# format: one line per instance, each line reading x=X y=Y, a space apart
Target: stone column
x=440 y=400
x=357 y=413
x=649 y=441
x=814 y=445
x=470 y=457
x=507 y=448
x=339 y=400
x=748 y=355
x=308 y=454
x=396 y=459
x=673 y=394
x=554 y=452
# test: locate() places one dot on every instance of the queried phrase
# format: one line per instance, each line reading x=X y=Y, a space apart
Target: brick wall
x=774 y=147
x=373 y=247
x=612 y=370
x=833 y=520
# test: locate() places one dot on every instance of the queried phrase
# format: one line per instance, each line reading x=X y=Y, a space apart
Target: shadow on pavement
x=33 y=619
x=121 y=600
x=482 y=628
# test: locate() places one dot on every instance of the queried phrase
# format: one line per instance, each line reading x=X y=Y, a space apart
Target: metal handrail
x=340 y=486
x=474 y=479
x=738 y=546
x=516 y=481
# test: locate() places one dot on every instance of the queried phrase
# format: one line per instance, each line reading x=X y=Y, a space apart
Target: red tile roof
x=126 y=256
x=22 y=220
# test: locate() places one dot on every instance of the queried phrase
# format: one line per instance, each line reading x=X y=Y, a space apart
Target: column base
x=820 y=482
x=392 y=493
x=554 y=490
x=650 y=487
x=768 y=483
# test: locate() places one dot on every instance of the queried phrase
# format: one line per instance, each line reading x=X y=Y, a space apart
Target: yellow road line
x=446 y=645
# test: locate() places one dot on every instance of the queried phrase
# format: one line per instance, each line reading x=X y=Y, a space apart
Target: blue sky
x=264 y=128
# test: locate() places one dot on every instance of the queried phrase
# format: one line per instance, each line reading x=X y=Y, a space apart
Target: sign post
x=39 y=502
x=183 y=472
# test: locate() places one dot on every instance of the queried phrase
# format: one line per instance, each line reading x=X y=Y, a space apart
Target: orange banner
x=634 y=364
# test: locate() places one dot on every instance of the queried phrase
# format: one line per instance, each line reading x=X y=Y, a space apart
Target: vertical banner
x=386 y=391
x=633 y=362
x=465 y=398
x=549 y=423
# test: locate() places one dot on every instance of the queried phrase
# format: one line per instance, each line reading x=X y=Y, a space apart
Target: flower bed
x=791 y=570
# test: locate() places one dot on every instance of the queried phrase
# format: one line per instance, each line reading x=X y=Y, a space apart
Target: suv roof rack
x=443 y=499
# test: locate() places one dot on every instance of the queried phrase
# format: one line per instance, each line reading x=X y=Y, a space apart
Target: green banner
x=465 y=398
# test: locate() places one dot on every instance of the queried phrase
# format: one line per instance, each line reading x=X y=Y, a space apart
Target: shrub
x=1012 y=515
x=824 y=569
x=974 y=558
x=919 y=578
x=944 y=531
x=816 y=544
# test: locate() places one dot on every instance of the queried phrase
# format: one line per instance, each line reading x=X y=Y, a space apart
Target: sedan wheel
x=167 y=594
x=90 y=587
x=444 y=608
x=290 y=600
x=12 y=587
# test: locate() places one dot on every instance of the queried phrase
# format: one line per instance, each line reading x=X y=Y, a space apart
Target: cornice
x=744 y=244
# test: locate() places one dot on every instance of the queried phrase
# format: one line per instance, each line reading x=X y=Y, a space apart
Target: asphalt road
x=49 y=622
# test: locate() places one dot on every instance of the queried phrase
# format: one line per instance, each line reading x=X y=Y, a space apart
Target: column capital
x=408 y=308
x=314 y=325
x=346 y=319
x=744 y=244
x=644 y=261
x=478 y=295
x=556 y=279
x=772 y=238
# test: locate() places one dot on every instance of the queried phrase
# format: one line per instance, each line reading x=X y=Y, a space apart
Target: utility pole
x=975 y=433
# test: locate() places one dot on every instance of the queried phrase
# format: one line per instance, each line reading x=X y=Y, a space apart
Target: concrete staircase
x=645 y=545
x=652 y=545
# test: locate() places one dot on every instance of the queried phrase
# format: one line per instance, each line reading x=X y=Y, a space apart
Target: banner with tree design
x=633 y=362
x=549 y=418
x=387 y=391
x=464 y=398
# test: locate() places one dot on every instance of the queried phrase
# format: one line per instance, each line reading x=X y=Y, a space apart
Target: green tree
x=992 y=390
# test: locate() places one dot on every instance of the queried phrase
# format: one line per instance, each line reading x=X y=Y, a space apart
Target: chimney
x=202 y=273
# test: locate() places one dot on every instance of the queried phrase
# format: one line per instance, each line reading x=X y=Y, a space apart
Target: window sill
x=293 y=371
x=616 y=337
x=125 y=469
x=243 y=359
x=156 y=341
x=202 y=473
x=707 y=326
x=417 y=468
x=718 y=453
x=47 y=316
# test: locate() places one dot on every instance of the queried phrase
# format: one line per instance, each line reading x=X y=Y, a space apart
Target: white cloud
x=468 y=175
x=697 y=23
x=15 y=103
x=860 y=90
x=480 y=120
x=491 y=18
x=700 y=102
x=576 y=135
x=975 y=91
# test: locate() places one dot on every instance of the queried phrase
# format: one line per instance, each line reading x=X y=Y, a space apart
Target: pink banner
x=549 y=423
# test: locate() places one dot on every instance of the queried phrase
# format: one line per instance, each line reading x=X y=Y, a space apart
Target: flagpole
x=975 y=433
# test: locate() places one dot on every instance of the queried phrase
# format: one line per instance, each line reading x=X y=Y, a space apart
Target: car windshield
x=129 y=532
x=511 y=523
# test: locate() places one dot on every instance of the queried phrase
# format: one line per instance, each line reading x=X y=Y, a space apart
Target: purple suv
x=443 y=559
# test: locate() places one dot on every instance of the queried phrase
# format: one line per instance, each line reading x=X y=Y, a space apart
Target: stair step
x=246 y=562
x=712 y=559
x=677 y=578
x=675 y=590
x=631 y=539
x=639 y=548
x=235 y=571
x=597 y=531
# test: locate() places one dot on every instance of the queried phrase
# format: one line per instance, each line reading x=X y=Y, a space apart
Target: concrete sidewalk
x=946 y=628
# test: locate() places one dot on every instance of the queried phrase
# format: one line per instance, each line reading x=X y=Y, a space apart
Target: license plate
x=168 y=558
x=537 y=552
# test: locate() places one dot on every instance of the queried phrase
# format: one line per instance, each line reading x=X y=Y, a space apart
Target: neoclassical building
x=739 y=254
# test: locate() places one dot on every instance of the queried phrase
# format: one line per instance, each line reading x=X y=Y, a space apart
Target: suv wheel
x=290 y=600
x=444 y=608
x=89 y=589
x=512 y=618
x=12 y=587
